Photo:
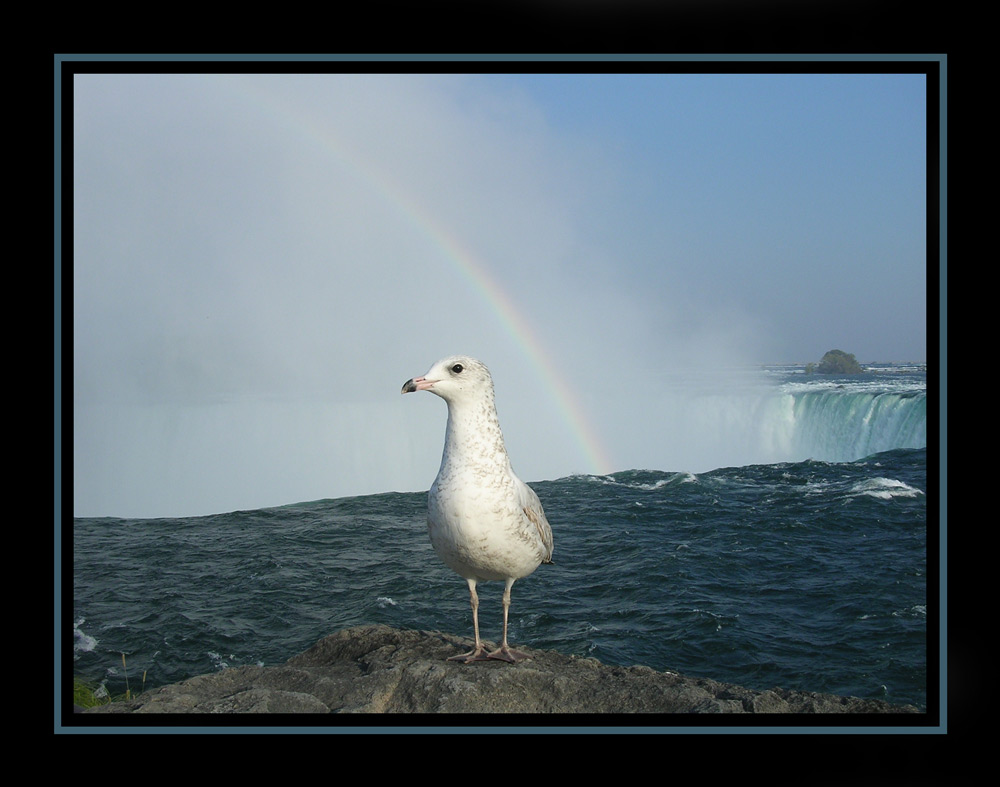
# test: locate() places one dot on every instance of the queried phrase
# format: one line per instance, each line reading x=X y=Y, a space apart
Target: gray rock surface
x=379 y=669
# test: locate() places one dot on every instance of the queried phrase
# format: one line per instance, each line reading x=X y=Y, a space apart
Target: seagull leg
x=479 y=652
x=505 y=652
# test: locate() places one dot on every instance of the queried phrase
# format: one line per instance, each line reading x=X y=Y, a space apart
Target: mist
x=260 y=261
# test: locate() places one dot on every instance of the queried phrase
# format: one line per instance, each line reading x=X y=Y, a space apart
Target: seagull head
x=454 y=379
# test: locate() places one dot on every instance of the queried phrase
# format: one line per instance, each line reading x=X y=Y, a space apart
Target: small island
x=835 y=362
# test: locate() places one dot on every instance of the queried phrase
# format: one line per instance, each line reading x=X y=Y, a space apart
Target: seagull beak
x=417 y=384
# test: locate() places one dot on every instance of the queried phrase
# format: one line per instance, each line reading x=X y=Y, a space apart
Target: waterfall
x=839 y=425
x=736 y=421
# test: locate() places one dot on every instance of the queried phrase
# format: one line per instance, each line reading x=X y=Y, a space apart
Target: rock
x=379 y=669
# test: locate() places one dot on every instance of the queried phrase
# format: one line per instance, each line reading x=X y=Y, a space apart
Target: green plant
x=87 y=694
x=128 y=690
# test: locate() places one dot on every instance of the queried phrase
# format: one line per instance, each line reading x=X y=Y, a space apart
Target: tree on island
x=836 y=362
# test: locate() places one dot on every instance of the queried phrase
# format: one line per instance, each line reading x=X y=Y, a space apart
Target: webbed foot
x=504 y=653
x=477 y=654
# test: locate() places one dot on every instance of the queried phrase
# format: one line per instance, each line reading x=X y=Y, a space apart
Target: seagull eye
x=457 y=368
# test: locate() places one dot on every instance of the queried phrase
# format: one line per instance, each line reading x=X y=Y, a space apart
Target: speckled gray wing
x=532 y=508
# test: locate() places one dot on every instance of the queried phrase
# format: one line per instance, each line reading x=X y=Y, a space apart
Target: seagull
x=484 y=522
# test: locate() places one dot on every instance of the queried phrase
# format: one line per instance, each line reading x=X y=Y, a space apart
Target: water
x=806 y=574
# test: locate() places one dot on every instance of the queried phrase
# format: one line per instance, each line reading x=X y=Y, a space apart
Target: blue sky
x=260 y=261
x=799 y=199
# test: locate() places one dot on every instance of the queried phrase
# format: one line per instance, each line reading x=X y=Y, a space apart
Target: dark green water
x=810 y=576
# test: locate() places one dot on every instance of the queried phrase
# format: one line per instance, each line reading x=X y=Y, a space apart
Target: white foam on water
x=82 y=642
x=884 y=489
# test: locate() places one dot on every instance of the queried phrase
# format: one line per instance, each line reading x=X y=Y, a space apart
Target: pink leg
x=477 y=653
x=505 y=652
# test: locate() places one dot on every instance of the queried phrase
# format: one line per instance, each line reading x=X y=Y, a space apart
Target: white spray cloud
x=261 y=261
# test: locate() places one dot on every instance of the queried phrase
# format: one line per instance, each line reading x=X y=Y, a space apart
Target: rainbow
x=462 y=260
x=517 y=326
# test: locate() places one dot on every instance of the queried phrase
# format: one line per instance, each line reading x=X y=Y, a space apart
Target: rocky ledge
x=379 y=669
